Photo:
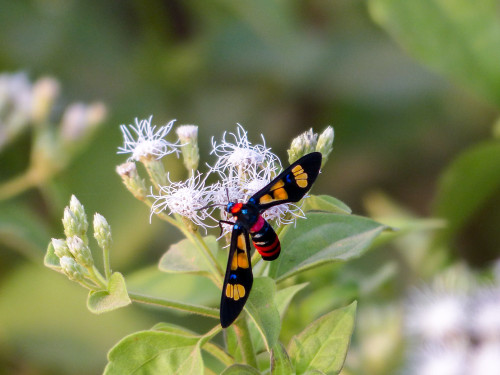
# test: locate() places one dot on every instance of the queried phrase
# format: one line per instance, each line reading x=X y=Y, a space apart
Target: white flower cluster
x=242 y=169
x=454 y=331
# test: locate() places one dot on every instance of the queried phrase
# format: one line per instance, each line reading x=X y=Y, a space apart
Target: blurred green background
x=394 y=81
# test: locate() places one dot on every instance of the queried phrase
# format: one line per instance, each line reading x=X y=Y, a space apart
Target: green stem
x=245 y=342
x=213 y=260
x=96 y=276
x=218 y=353
x=87 y=284
x=107 y=268
x=19 y=184
x=200 y=244
x=180 y=306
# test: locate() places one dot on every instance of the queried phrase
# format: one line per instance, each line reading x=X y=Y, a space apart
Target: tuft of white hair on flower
x=485 y=317
x=485 y=360
x=143 y=140
x=442 y=360
x=437 y=316
x=185 y=198
x=237 y=156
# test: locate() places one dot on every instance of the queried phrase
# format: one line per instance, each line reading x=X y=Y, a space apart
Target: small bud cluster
x=75 y=257
x=454 y=330
x=309 y=142
x=57 y=139
x=242 y=168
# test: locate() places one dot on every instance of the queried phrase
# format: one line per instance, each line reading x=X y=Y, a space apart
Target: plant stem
x=107 y=268
x=19 y=184
x=96 y=276
x=245 y=342
x=180 y=306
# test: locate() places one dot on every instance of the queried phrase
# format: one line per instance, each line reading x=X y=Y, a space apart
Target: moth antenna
x=209 y=206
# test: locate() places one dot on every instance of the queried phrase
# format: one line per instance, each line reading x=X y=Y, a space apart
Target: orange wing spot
x=301 y=183
x=234 y=263
x=265 y=199
x=229 y=291
x=242 y=260
x=277 y=185
x=280 y=194
x=241 y=242
x=297 y=169
x=302 y=176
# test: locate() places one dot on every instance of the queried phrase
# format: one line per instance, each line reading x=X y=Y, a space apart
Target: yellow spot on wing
x=301 y=183
x=241 y=242
x=234 y=263
x=239 y=290
x=277 y=185
x=229 y=291
x=265 y=199
x=242 y=260
x=297 y=169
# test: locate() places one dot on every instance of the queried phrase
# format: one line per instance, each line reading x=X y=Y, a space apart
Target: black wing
x=290 y=185
x=238 y=280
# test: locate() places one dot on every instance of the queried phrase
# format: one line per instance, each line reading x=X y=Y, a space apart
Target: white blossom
x=186 y=198
x=143 y=140
x=485 y=360
x=440 y=360
x=237 y=157
x=485 y=317
x=437 y=316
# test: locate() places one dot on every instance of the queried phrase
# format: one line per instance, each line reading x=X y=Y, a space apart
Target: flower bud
x=60 y=248
x=188 y=137
x=75 y=220
x=80 y=119
x=80 y=251
x=302 y=145
x=73 y=270
x=45 y=91
x=156 y=170
x=131 y=179
x=102 y=231
x=325 y=143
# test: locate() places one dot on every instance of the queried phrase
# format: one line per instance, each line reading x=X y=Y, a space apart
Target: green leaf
x=192 y=289
x=155 y=352
x=240 y=369
x=325 y=203
x=467 y=183
x=323 y=345
x=174 y=329
x=184 y=257
x=232 y=345
x=280 y=361
x=51 y=260
x=284 y=297
x=323 y=238
x=469 y=32
x=263 y=311
x=107 y=300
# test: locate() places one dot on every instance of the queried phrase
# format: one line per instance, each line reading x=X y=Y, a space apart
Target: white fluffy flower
x=185 y=198
x=440 y=361
x=437 y=316
x=485 y=360
x=485 y=319
x=237 y=157
x=143 y=140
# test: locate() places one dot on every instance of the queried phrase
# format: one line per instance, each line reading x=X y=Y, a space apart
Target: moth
x=289 y=186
